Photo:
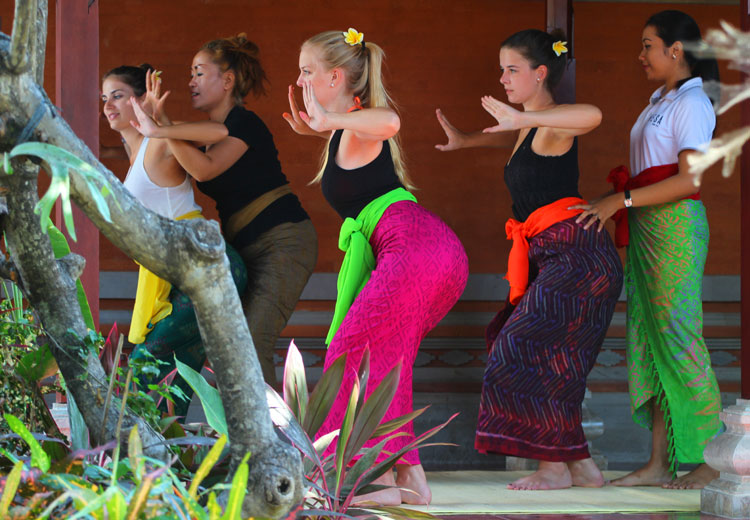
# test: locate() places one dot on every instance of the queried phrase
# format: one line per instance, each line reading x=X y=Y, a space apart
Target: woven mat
x=484 y=492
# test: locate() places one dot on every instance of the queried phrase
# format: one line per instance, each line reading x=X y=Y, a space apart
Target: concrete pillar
x=729 y=453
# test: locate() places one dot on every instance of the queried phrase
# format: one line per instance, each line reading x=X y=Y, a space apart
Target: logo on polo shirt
x=655 y=119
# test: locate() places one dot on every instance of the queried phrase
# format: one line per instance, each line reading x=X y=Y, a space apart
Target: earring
x=674 y=56
x=331 y=84
x=538 y=80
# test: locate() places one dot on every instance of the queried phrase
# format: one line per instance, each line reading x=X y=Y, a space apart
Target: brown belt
x=243 y=217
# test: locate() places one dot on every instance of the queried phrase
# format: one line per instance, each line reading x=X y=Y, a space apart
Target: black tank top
x=348 y=191
x=537 y=180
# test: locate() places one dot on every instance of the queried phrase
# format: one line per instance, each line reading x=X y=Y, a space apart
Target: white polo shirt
x=683 y=119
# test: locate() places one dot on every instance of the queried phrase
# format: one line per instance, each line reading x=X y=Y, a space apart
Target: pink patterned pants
x=421 y=270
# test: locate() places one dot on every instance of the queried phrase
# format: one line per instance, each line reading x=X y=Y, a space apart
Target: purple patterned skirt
x=536 y=372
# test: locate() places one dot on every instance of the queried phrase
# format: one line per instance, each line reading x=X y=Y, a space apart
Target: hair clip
x=559 y=47
x=352 y=37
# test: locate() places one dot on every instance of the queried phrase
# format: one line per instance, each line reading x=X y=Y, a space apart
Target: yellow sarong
x=151 y=298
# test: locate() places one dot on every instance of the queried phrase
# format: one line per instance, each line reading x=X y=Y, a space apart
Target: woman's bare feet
x=652 y=474
x=550 y=475
x=413 y=483
x=696 y=479
x=384 y=497
x=585 y=473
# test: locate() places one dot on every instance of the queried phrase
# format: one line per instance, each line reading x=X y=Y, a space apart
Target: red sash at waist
x=621 y=181
x=539 y=220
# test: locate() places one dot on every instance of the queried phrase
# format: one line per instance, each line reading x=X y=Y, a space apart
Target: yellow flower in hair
x=352 y=37
x=559 y=47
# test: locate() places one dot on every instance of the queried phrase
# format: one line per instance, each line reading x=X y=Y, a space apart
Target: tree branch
x=17 y=60
x=39 y=40
x=51 y=290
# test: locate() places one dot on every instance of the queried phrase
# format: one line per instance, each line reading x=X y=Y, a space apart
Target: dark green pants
x=177 y=335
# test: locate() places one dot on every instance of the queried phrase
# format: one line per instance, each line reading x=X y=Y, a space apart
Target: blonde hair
x=239 y=55
x=362 y=64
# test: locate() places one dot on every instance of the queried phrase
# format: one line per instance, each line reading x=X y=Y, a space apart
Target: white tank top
x=170 y=202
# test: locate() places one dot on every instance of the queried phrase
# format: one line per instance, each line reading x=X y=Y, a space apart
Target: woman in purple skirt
x=564 y=279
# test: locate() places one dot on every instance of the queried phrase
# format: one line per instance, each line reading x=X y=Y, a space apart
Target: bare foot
x=585 y=473
x=696 y=479
x=648 y=475
x=384 y=497
x=413 y=482
x=550 y=475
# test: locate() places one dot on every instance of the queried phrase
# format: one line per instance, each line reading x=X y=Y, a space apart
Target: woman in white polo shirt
x=673 y=388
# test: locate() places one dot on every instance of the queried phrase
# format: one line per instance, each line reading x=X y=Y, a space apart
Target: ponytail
x=363 y=64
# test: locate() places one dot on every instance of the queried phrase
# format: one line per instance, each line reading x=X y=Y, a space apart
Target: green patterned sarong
x=668 y=362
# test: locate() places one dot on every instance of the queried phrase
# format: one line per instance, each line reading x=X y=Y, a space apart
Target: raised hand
x=456 y=137
x=316 y=116
x=294 y=117
x=153 y=103
x=508 y=118
x=144 y=124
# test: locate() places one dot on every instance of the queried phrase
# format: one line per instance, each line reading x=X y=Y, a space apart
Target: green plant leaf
x=285 y=420
x=295 y=383
x=64 y=497
x=60 y=162
x=139 y=498
x=233 y=510
x=323 y=395
x=213 y=455
x=354 y=474
x=209 y=396
x=372 y=412
x=79 y=432
x=321 y=443
x=389 y=427
x=117 y=507
x=60 y=248
x=346 y=428
x=135 y=452
x=37 y=364
x=379 y=469
x=11 y=485
x=363 y=374
x=214 y=509
x=6 y=164
x=96 y=505
x=39 y=458
x=194 y=510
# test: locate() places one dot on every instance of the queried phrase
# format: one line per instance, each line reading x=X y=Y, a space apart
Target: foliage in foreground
x=334 y=475
x=133 y=487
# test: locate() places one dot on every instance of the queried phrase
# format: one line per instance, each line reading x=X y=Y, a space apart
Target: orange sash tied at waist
x=621 y=180
x=541 y=219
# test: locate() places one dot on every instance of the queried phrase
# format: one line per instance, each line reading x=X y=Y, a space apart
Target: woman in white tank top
x=163 y=324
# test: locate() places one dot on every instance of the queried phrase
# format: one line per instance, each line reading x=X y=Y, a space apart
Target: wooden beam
x=559 y=15
x=745 y=234
x=77 y=89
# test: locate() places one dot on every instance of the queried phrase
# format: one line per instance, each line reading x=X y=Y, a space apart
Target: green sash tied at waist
x=359 y=260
